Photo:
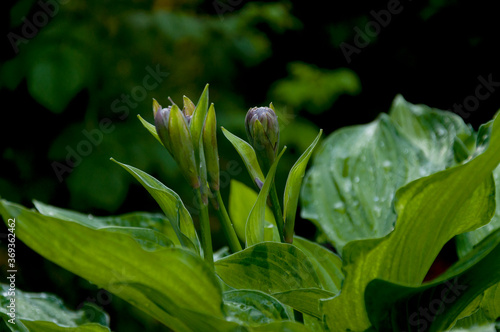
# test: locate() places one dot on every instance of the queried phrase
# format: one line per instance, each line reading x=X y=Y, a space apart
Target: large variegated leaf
x=349 y=190
x=430 y=211
x=113 y=260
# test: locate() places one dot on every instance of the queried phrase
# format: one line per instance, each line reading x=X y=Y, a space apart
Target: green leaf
x=151 y=128
x=466 y=241
x=284 y=326
x=149 y=230
x=306 y=301
x=247 y=153
x=431 y=211
x=241 y=201
x=253 y=308
x=46 y=312
x=348 y=191
x=292 y=189
x=196 y=321
x=198 y=119
x=433 y=131
x=327 y=265
x=254 y=229
x=437 y=305
x=171 y=204
x=491 y=302
x=269 y=267
x=109 y=259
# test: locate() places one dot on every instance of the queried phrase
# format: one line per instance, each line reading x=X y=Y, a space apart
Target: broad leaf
x=292 y=189
x=254 y=229
x=151 y=231
x=431 y=211
x=110 y=259
x=306 y=301
x=247 y=153
x=171 y=204
x=269 y=267
x=253 y=308
x=436 y=306
x=349 y=190
x=196 y=321
x=241 y=201
x=491 y=303
x=327 y=265
x=45 y=312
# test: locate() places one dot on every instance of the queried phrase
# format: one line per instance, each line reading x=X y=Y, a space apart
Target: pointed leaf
x=241 y=201
x=292 y=189
x=198 y=119
x=151 y=128
x=254 y=229
x=248 y=155
x=170 y=203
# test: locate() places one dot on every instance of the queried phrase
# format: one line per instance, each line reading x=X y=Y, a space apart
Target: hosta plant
x=386 y=197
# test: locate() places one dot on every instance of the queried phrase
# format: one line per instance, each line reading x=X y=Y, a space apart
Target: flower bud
x=210 y=148
x=261 y=124
x=173 y=131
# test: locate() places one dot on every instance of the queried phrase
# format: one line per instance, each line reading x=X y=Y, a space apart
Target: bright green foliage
x=254 y=229
x=40 y=312
x=292 y=189
x=388 y=195
x=241 y=201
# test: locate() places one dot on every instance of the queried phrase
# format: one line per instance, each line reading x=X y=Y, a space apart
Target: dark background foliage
x=61 y=80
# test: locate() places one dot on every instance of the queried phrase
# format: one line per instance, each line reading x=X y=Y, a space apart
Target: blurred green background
x=69 y=66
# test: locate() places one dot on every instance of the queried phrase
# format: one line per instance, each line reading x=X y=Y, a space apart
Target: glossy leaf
x=111 y=259
x=348 y=191
x=241 y=201
x=327 y=265
x=431 y=211
x=253 y=308
x=269 y=267
x=292 y=189
x=195 y=320
x=436 y=306
x=254 y=228
x=247 y=153
x=149 y=230
x=466 y=241
x=46 y=312
x=171 y=204
x=306 y=300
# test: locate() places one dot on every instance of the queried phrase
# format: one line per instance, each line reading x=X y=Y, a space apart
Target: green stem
x=278 y=216
x=206 y=236
x=227 y=225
